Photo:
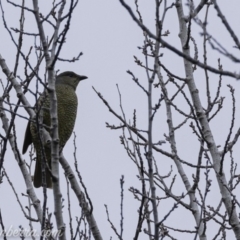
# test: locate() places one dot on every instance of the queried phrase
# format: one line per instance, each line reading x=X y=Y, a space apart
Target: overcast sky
x=108 y=38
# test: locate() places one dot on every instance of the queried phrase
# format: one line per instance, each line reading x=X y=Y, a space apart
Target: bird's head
x=69 y=78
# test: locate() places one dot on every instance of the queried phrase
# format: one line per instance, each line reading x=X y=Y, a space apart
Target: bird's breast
x=67 y=112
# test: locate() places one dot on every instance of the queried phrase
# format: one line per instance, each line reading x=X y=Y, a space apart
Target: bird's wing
x=28 y=136
x=27 y=139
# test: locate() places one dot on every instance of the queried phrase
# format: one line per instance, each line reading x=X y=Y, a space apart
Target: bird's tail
x=38 y=174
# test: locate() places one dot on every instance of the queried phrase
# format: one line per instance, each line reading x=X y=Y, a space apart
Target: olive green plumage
x=66 y=84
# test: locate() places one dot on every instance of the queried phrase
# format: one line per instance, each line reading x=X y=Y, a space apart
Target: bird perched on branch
x=66 y=84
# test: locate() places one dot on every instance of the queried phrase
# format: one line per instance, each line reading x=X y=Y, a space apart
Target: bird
x=67 y=102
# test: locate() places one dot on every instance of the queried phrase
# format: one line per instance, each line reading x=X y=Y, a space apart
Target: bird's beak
x=82 y=78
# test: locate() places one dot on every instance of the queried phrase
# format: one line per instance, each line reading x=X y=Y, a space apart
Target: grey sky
x=108 y=37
